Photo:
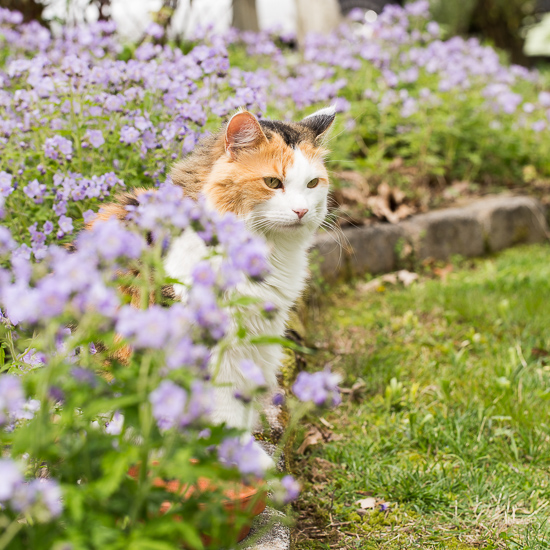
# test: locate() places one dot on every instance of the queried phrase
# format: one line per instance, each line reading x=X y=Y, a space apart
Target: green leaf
x=270 y=340
x=111 y=404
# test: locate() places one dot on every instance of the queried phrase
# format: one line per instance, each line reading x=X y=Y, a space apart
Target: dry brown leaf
x=356 y=390
x=396 y=163
x=367 y=503
x=456 y=189
x=539 y=353
x=443 y=272
x=371 y=503
x=403 y=276
x=389 y=204
x=404 y=211
x=371 y=286
x=312 y=437
x=407 y=277
x=326 y=423
x=352 y=195
x=358 y=179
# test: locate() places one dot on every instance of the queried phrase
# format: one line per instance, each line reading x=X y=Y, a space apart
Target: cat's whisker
x=337 y=237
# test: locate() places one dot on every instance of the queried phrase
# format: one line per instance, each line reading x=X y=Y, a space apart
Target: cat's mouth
x=289 y=224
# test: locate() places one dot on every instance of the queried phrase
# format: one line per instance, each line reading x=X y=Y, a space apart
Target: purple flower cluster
x=291 y=489
x=319 y=387
x=243 y=453
x=58 y=145
x=41 y=498
x=75 y=281
x=12 y=399
x=173 y=407
x=96 y=113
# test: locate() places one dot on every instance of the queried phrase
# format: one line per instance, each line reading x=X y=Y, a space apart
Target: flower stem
x=9 y=534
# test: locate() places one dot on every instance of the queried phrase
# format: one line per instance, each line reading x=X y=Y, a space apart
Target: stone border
x=484 y=226
x=271 y=530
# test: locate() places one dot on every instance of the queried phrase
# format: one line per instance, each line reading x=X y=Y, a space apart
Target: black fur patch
x=318 y=124
x=129 y=200
x=290 y=135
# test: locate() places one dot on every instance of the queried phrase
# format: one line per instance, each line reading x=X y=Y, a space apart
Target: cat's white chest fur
x=282 y=287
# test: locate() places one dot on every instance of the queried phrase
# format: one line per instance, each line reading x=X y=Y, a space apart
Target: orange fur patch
x=237 y=185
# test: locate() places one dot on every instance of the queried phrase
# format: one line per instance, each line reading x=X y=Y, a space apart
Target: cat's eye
x=273 y=183
x=313 y=183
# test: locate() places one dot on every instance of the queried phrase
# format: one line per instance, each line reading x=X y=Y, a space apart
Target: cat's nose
x=301 y=213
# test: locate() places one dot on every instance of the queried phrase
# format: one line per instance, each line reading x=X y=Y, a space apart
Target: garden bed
x=442 y=438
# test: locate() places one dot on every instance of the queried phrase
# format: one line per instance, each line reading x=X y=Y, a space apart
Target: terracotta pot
x=238 y=496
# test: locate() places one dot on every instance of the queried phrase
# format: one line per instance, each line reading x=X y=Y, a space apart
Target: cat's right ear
x=320 y=121
x=242 y=132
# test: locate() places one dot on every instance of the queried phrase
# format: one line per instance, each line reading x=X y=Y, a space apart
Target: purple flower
x=154 y=30
x=115 y=425
x=433 y=28
x=6 y=186
x=34 y=358
x=245 y=454
x=168 y=402
x=291 y=488
x=60 y=208
x=7 y=244
x=149 y=328
x=252 y=373
x=84 y=376
x=89 y=216
x=66 y=224
x=207 y=313
x=129 y=134
x=35 y=191
x=12 y=398
x=10 y=478
x=320 y=387
x=21 y=302
x=58 y=144
x=251 y=257
x=200 y=403
x=186 y=353
x=41 y=498
x=203 y=274
x=110 y=240
x=95 y=137
x=544 y=99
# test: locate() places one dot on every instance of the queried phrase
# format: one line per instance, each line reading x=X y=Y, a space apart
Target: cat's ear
x=320 y=121
x=242 y=131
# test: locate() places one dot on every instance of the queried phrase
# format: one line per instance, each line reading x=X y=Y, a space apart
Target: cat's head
x=272 y=173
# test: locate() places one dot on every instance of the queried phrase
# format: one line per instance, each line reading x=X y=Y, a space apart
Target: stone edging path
x=484 y=226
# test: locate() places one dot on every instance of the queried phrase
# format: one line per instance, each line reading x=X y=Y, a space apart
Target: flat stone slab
x=444 y=233
x=487 y=225
x=507 y=221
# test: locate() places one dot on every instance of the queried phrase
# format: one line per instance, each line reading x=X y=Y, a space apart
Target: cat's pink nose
x=301 y=213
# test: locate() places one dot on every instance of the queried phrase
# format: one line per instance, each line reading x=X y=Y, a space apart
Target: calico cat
x=272 y=175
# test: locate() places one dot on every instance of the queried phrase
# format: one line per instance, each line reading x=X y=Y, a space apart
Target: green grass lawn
x=448 y=421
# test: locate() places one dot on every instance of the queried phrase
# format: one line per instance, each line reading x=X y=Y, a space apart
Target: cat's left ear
x=320 y=121
x=242 y=132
